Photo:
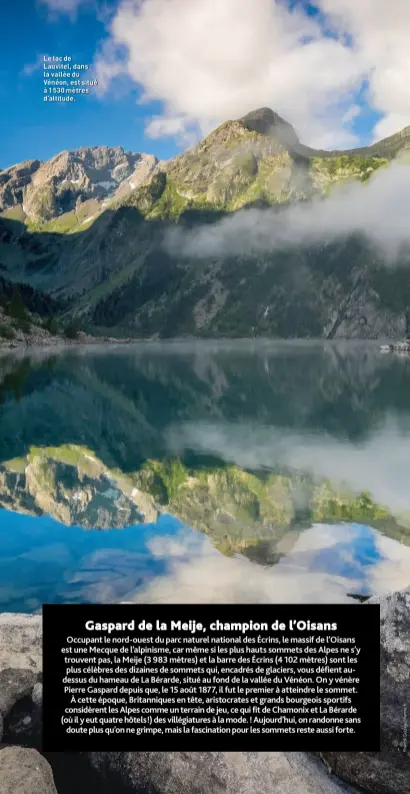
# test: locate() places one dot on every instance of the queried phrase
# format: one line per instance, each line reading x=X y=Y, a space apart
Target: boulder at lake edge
x=15 y=684
x=387 y=772
x=24 y=771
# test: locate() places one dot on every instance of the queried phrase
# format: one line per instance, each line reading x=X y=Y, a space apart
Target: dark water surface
x=204 y=472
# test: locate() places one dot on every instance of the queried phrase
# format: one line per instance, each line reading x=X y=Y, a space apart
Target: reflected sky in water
x=338 y=412
x=43 y=560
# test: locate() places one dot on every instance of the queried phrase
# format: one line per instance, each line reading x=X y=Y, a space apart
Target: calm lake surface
x=244 y=472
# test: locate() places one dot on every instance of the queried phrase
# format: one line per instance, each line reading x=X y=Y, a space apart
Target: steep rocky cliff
x=42 y=191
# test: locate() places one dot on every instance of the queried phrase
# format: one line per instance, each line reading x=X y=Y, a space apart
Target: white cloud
x=379 y=209
x=102 y=9
x=30 y=68
x=380 y=34
x=108 y=68
x=302 y=575
x=177 y=127
x=207 y=576
x=378 y=465
x=64 y=6
x=208 y=62
x=352 y=113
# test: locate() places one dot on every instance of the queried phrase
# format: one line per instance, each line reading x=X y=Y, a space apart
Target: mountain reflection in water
x=255 y=472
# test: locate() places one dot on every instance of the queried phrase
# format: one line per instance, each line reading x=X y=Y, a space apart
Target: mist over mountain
x=249 y=233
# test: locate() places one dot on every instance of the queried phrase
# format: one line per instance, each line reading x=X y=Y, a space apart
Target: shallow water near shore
x=243 y=472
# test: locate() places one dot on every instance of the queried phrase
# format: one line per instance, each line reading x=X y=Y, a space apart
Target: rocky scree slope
x=120 y=275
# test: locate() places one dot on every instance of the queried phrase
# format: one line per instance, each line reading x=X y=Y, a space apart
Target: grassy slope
x=223 y=174
x=121 y=280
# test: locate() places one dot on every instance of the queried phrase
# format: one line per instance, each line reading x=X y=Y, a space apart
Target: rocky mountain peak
x=45 y=190
x=267 y=122
x=98 y=164
x=13 y=181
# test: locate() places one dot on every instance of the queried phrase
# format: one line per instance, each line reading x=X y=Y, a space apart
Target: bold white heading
x=195 y=627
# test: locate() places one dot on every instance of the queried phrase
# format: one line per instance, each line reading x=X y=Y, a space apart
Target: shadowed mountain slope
x=116 y=270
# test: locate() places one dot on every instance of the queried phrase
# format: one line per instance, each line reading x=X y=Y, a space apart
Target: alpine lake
x=243 y=472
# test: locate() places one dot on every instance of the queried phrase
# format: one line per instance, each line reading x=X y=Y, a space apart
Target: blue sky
x=31 y=128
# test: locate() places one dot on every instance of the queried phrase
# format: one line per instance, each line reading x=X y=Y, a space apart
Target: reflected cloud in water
x=44 y=561
x=326 y=564
x=86 y=439
x=380 y=464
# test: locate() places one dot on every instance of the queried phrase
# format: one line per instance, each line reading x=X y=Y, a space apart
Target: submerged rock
x=387 y=772
x=24 y=771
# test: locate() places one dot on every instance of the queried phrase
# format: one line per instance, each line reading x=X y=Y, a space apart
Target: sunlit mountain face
x=251 y=472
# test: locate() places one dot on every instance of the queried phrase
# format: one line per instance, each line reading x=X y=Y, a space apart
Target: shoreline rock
x=12 y=336
x=25 y=771
x=402 y=347
x=21 y=638
x=386 y=772
x=56 y=342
